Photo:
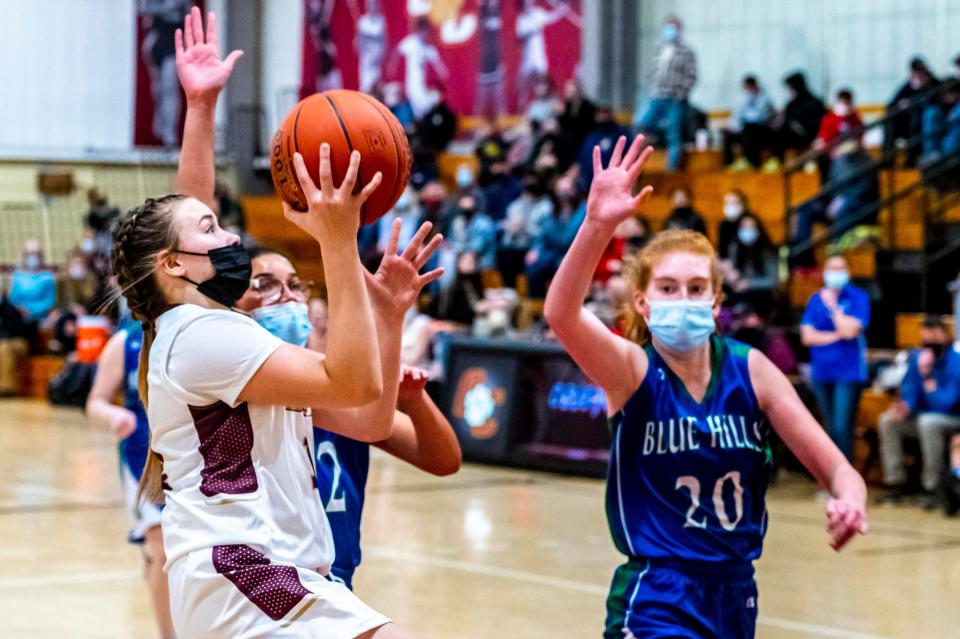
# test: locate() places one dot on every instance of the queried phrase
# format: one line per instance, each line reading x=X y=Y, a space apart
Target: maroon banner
x=486 y=54
x=159 y=112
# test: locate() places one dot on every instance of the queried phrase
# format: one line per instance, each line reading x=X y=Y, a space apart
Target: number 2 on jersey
x=692 y=484
x=334 y=504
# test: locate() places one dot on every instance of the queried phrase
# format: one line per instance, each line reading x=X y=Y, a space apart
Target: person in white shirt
x=247 y=543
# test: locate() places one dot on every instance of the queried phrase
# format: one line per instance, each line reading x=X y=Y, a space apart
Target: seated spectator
x=438 y=125
x=630 y=236
x=495 y=313
x=79 y=286
x=33 y=288
x=941 y=138
x=750 y=328
x=395 y=100
x=848 y=200
x=683 y=216
x=472 y=231
x=751 y=266
x=577 y=117
x=541 y=106
x=14 y=344
x=408 y=210
x=556 y=142
x=833 y=328
x=604 y=134
x=929 y=409
x=100 y=218
x=491 y=150
x=841 y=120
x=750 y=124
x=458 y=302
x=526 y=217
x=423 y=169
x=735 y=205
x=502 y=189
x=230 y=213
x=906 y=125
x=559 y=229
x=801 y=117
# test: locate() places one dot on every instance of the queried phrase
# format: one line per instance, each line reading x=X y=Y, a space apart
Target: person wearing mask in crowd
x=526 y=217
x=833 y=328
x=458 y=303
x=750 y=124
x=604 y=135
x=407 y=210
x=577 y=117
x=424 y=166
x=438 y=125
x=33 y=288
x=491 y=150
x=553 y=141
x=801 y=117
x=909 y=104
x=683 y=215
x=79 y=285
x=841 y=120
x=399 y=105
x=750 y=328
x=472 y=231
x=928 y=409
x=541 y=106
x=559 y=229
x=230 y=211
x=630 y=236
x=99 y=218
x=735 y=204
x=502 y=189
x=751 y=265
x=674 y=74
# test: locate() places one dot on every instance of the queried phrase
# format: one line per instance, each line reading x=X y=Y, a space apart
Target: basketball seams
x=346 y=135
x=399 y=184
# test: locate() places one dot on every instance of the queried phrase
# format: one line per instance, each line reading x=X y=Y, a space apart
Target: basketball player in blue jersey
x=691 y=416
x=116 y=370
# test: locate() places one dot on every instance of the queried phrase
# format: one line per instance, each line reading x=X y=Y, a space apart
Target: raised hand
x=611 y=198
x=331 y=210
x=394 y=288
x=413 y=381
x=202 y=73
x=844 y=520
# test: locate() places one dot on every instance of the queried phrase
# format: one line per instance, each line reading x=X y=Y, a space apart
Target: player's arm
x=100 y=408
x=846 y=511
x=615 y=364
x=422 y=436
x=203 y=75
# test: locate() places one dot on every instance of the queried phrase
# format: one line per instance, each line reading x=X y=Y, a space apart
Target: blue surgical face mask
x=681 y=325
x=835 y=279
x=464 y=177
x=32 y=262
x=748 y=235
x=289 y=321
x=669 y=32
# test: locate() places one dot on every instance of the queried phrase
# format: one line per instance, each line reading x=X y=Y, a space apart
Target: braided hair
x=138 y=236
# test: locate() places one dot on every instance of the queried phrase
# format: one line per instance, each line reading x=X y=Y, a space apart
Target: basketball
x=347 y=121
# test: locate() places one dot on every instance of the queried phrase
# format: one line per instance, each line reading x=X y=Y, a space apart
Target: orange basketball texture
x=347 y=121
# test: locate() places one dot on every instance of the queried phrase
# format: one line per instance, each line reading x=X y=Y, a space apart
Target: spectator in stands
x=230 y=213
x=491 y=150
x=833 y=327
x=556 y=142
x=751 y=265
x=14 y=344
x=408 y=210
x=929 y=409
x=801 y=118
x=735 y=204
x=458 y=302
x=424 y=167
x=438 y=125
x=541 y=107
x=33 y=288
x=525 y=220
x=630 y=236
x=472 y=231
x=578 y=113
x=941 y=137
x=604 y=134
x=100 y=218
x=399 y=105
x=502 y=189
x=750 y=124
x=683 y=215
x=841 y=120
x=79 y=286
x=751 y=328
x=906 y=125
x=559 y=229
x=674 y=74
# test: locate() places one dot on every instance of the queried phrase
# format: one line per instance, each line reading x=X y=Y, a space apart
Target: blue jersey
x=688 y=480
x=342 y=467
x=133 y=449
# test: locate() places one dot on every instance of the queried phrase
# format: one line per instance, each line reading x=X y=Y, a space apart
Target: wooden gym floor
x=488 y=553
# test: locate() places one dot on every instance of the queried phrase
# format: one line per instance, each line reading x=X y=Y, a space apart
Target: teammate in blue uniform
x=419 y=433
x=117 y=370
x=691 y=415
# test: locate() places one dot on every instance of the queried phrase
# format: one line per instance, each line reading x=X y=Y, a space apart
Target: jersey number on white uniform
x=692 y=484
x=334 y=504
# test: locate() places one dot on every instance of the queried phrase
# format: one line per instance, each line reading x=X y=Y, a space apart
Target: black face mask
x=936 y=347
x=232 y=274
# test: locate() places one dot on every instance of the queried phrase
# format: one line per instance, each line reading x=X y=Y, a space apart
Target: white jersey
x=234 y=473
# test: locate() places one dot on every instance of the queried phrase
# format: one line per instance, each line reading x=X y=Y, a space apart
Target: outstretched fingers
x=197 y=21
x=212 y=36
x=636 y=168
x=303 y=177
x=427 y=252
x=416 y=242
x=617 y=155
x=353 y=169
x=326 y=173
x=428 y=278
x=634 y=151
x=370 y=187
x=642 y=197
x=394 y=240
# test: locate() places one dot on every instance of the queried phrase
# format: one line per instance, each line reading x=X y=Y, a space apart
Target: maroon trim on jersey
x=275 y=589
x=226 y=439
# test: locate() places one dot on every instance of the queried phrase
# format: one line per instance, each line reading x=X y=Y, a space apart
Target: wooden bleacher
x=35 y=373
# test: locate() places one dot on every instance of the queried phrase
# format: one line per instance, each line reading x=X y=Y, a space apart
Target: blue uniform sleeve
x=911 y=390
x=947 y=395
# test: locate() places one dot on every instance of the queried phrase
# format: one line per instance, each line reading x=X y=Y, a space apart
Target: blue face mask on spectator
x=32 y=262
x=289 y=321
x=682 y=325
x=464 y=177
x=669 y=32
x=748 y=235
x=835 y=279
